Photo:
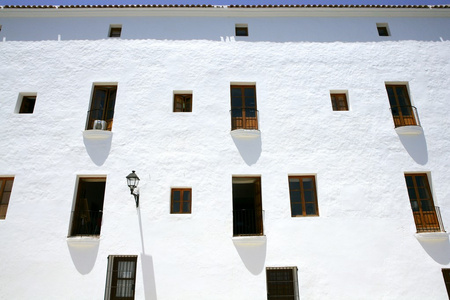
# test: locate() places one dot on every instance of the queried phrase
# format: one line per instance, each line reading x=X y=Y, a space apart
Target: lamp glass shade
x=132 y=180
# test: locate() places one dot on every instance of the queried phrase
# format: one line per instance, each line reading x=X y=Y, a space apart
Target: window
x=446 y=274
x=303 y=196
x=282 y=283
x=383 y=29
x=403 y=113
x=426 y=216
x=182 y=103
x=241 y=30
x=247 y=206
x=6 y=184
x=101 y=114
x=27 y=105
x=115 y=30
x=243 y=107
x=339 y=101
x=180 y=201
x=88 y=208
x=121 y=277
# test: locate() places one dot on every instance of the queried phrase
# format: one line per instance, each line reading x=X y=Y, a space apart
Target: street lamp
x=133 y=181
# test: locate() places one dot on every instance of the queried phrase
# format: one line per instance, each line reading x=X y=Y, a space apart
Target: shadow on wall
x=253 y=256
x=249 y=149
x=416 y=145
x=439 y=250
x=83 y=255
x=98 y=149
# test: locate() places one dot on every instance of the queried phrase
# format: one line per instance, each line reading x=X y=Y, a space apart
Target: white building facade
x=282 y=151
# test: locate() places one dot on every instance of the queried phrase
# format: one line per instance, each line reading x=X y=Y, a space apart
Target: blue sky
x=220 y=2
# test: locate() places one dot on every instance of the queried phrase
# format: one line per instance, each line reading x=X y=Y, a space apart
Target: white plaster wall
x=362 y=246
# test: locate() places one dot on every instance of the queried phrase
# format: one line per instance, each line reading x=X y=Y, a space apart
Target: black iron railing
x=244 y=118
x=429 y=221
x=86 y=222
x=247 y=222
x=405 y=116
x=98 y=114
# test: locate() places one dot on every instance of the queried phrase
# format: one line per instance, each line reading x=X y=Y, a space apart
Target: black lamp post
x=133 y=181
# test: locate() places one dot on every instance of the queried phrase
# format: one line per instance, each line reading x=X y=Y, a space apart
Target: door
x=422 y=203
x=401 y=108
x=247 y=206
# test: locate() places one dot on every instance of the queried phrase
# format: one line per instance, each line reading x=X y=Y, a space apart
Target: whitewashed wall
x=362 y=246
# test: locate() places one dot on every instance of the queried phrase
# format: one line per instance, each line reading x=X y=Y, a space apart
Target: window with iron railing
x=244 y=113
x=403 y=113
x=427 y=216
x=101 y=113
x=247 y=206
x=86 y=219
x=121 y=277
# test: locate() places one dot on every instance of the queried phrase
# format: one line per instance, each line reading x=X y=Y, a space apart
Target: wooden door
x=401 y=108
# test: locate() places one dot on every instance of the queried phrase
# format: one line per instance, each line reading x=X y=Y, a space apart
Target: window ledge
x=413 y=129
x=97 y=134
x=253 y=240
x=431 y=236
x=83 y=241
x=246 y=133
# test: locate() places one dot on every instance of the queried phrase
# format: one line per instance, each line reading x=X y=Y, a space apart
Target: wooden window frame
x=337 y=104
x=241 y=30
x=182 y=201
x=27 y=104
x=280 y=287
x=403 y=115
x=302 y=201
x=112 y=276
x=3 y=202
x=105 y=112
x=245 y=121
x=185 y=100
x=115 y=31
x=425 y=216
x=87 y=214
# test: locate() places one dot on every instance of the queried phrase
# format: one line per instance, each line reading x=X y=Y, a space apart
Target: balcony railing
x=247 y=222
x=405 y=116
x=244 y=118
x=86 y=222
x=98 y=114
x=429 y=221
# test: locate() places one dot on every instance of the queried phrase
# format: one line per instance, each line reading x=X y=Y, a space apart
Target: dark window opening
x=244 y=114
x=115 y=31
x=27 y=105
x=88 y=209
x=5 y=193
x=101 y=114
x=241 y=30
x=282 y=283
x=182 y=103
x=180 y=201
x=446 y=274
x=121 y=277
x=339 y=101
x=247 y=206
x=303 y=196
x=383 y=30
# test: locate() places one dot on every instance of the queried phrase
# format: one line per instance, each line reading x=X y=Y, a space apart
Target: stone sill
x=432 y=236
x=83 y=241
x=97 y=134
x=251 y=240
x=413 y=130
x=245 y=133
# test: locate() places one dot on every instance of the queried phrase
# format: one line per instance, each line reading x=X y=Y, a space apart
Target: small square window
x=241 y=30
x=282 y=283
x=6 y=184
x=383 y=29
x=303 y=196
x=27 y=106
x=115 y=30
x=182 y=103
x=181 y=201
x=339 y=101
x=121 y=277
